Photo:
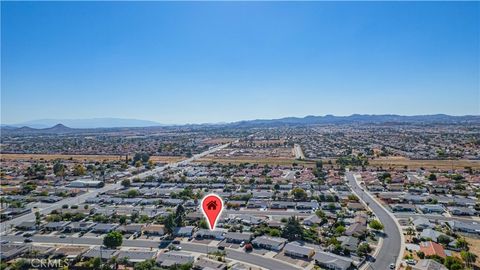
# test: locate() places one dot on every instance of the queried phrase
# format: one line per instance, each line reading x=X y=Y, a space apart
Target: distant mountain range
x=363 y=118
x=87 y=123
x=78 y=125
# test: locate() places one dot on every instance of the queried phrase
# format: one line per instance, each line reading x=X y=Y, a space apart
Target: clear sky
x=193 y=62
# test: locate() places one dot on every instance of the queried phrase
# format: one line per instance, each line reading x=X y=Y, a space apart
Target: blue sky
x=192 y=62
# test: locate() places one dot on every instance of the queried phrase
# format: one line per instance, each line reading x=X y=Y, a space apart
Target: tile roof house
x=431 y=248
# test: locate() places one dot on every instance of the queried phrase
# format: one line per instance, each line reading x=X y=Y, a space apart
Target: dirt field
x=428 y=164
x=269 y=161
x=162 y=159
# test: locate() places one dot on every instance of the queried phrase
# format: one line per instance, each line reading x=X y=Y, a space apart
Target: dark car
x=221 y=248
x=27 y=240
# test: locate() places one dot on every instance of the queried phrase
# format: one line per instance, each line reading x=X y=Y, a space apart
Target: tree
x=299 y=194
x=202 y=224
x=59 y=169
x=340 y=229
x=363 y=249
x=468 y=257
x=320 y=214
x=376 y=225
x=179 y=215
x=169 y=223
x=126 y=183
x=145 y=265
x=453 y=263
x=444 y=239
x=132 y=193
x=462 y=244
x=79 y=170
x=113 y=239
x=432 y=177
x=122 y=220
x=292 y=230
x=38 y=219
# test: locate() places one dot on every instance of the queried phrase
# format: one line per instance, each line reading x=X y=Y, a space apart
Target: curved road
x=392 y=242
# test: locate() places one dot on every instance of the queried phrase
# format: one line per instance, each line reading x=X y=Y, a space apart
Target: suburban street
x=392 y=243
x=139 y=243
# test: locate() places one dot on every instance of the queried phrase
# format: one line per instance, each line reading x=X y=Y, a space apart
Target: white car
x=392 y=266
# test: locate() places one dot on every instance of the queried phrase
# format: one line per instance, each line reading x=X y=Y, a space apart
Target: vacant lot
x=396 y=162
x=262 y=161
x=162 y=159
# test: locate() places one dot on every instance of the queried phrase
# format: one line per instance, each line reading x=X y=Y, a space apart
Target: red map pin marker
x=212 y=206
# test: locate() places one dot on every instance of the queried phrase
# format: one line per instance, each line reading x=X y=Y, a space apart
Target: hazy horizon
x=211 y=62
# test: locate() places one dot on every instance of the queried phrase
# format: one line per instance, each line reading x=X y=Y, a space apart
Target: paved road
x=198 y=248
x=241 y=256
x=297 y=150
x=94 y=192
x=392 y=243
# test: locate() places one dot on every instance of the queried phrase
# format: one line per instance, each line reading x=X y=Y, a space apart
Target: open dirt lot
x=428 y=164
x=261 y=161
x=162 y=159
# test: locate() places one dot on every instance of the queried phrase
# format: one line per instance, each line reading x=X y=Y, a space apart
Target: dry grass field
x=398 y=162
x=29 y=157
x=262 y=161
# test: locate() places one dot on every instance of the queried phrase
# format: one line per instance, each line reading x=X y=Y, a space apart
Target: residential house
x=80 y=226
x=237 y=237
x=429 y=264
x=172 y=258
x=154 y=229
x=209 y=234
x=271 y=243
x=56 y=226
x=332 y=261
x=431 y=248
x=136 y=255
x=104 y=227
x=422 y=223
x=297 y=249
x=186 y=231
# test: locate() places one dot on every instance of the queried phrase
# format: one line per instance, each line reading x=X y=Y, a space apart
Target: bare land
x=262 y=161
x=47 y=157
x=399 y=162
